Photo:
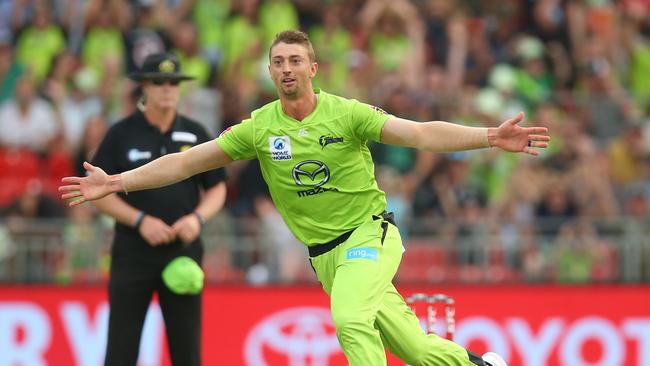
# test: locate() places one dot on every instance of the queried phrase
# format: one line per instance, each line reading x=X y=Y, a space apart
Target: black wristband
x=200 y=217
x=138 y=220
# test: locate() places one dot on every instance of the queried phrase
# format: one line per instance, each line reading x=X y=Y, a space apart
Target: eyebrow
x=290 y=56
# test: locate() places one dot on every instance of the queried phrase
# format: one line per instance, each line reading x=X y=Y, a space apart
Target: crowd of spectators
x=579 y=67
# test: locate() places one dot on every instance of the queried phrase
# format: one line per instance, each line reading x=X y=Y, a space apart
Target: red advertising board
x=291 y=326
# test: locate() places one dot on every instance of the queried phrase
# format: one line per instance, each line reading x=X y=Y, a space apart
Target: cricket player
x=312 y=150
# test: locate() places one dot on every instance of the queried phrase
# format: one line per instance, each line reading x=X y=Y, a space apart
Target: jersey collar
x=319 y=93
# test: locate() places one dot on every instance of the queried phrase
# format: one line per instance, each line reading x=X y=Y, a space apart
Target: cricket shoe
x=492 y=359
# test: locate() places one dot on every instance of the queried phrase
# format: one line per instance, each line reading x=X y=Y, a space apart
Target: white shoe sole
x=494 y=359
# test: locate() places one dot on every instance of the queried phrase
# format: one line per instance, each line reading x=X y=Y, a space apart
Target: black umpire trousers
x=131 y=287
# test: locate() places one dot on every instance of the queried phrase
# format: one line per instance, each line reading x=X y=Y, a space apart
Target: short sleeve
x=238 y=141
x=106 y=155
x=367 y=121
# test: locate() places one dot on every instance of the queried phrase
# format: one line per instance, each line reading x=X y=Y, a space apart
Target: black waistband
x=318 y=249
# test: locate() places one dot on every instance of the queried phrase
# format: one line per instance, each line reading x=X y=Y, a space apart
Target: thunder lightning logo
x=326 y=140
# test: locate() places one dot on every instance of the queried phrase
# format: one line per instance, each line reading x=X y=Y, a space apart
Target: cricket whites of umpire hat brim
x=160 y=66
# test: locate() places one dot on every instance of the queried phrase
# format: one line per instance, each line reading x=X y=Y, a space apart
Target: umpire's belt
x=318 y=249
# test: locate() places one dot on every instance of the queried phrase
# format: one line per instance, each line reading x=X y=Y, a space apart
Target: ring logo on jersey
x=135 y=155
x=363 y=253
x=312 y=173
x=326 y=140
x=280 y=147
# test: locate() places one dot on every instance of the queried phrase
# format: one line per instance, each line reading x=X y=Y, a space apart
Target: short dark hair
x=294 y=37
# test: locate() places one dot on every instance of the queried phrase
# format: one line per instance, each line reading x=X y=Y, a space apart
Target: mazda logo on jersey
x=314 y=174
x=311 y=173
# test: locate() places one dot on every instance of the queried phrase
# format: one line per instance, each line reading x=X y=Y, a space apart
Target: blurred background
x=577 y=214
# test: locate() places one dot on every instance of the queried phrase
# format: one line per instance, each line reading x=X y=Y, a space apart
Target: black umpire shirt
x=133 y=142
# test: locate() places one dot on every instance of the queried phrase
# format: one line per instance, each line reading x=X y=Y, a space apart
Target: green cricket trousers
x=368 y=312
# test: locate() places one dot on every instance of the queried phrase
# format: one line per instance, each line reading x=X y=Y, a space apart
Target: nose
x=285 y=68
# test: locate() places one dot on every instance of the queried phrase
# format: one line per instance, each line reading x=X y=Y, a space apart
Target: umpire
x=157 y=226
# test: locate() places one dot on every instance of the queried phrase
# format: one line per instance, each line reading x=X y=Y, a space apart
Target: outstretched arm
x=441 y=136
x=161 y=172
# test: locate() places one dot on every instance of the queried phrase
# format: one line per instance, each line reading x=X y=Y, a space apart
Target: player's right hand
x=155 y=231
x=82 y=189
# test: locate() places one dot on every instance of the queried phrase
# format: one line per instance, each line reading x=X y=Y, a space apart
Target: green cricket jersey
x=319 y=170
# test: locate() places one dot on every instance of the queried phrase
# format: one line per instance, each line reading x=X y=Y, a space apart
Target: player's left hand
x=187 y=228
x=509 y=136
x=94 y=186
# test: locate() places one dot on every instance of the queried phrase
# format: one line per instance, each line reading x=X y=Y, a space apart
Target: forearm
x=163 y=171
x=439 y=136
x=115 y=207
x=212 y=201
x=170 y=168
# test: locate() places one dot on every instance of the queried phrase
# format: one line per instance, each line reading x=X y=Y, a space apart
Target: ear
x=313 y=69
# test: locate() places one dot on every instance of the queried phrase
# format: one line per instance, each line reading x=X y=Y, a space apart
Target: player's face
x=291 y=69
x=162 y=94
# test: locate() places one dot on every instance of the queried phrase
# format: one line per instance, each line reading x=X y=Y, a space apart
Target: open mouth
x=288 y=81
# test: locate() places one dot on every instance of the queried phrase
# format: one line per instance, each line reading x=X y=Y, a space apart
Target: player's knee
x=343 y=319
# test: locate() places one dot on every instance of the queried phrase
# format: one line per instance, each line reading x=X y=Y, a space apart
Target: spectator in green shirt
x=40 y=43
